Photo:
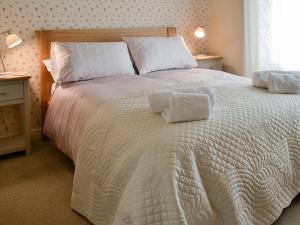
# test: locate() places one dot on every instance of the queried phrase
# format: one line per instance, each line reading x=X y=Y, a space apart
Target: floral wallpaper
x=24 y=17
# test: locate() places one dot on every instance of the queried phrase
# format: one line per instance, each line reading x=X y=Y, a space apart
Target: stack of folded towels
x=183 y=105
x=281 y=82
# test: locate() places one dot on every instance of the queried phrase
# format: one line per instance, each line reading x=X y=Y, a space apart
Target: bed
x=242 y=166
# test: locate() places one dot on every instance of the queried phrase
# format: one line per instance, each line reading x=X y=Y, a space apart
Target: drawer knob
x=2 y=93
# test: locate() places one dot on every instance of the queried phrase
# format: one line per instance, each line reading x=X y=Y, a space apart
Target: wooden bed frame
x=45 y=37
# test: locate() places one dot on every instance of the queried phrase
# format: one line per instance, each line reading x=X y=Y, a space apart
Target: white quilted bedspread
x=242 y=166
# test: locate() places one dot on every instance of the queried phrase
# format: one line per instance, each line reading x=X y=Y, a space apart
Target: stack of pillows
x=75 y=61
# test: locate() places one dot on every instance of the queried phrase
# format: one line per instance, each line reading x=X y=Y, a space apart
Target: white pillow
x=159 y=53
x=84 y=61
x=47 y=63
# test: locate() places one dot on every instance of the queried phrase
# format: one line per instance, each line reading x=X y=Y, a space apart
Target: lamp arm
x=1 y=59
x=5 y=32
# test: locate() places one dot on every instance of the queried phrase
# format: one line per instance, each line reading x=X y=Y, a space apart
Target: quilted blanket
x=240 y=167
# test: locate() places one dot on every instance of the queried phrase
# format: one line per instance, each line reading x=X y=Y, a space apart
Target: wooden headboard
x=45 y=37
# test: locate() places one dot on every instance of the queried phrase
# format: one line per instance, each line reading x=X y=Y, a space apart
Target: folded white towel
x=202 y=90
x=159 y=100
x=284 y=83
x=260 y=79
x=187 y=107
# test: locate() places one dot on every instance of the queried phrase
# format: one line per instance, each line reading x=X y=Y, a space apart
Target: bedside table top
x=15 y=76
x=206 y=57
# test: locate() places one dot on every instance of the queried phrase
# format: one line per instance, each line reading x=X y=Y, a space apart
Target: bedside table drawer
x=11 y=92
x=14 y=90
x=211 y=65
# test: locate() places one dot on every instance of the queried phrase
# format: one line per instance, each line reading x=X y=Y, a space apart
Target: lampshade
x=12 y=40
x=200 y=32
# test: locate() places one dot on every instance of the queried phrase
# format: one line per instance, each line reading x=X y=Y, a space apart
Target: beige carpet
x=36 y=190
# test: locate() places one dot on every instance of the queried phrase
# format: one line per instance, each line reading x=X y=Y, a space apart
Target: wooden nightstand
x=14 y=89
x=209 y=62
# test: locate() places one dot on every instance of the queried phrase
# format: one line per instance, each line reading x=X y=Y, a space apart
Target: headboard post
x=44 y=42
x=45 y=37
x=171 y=31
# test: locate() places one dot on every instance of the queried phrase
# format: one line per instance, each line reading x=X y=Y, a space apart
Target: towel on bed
x=284 y=83
x=159 y=100
x=187 y=107
x=202 y=90
x=260 y=78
